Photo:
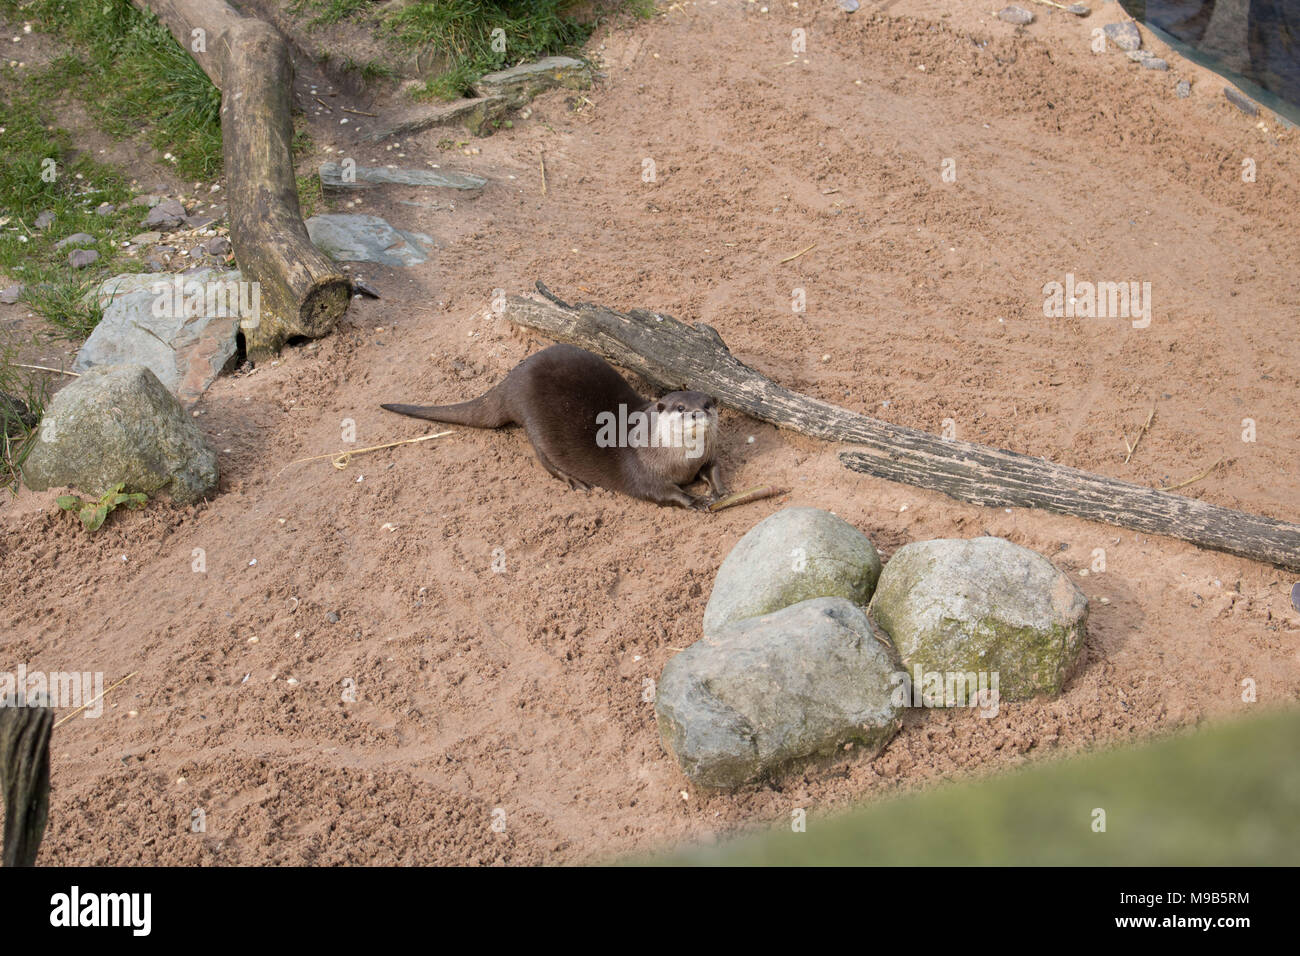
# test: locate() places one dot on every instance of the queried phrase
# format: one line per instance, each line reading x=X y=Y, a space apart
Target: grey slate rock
x=793 y=555
x=358 y=238
x=521 y=83
x=331 y=177
x=1017 y=15
x=758 y=695
x=76 y=239
x=119 y=424
x=1183 y=89
x=146 y=323
x=44 y=219
x=168 y=214
x=80 y=258
x=11 y=295
x=983 y=606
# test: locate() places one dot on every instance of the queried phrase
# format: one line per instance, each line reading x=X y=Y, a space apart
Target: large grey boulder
x=357 y=238
x=754 y=696
x=119 y=424
x=983 y=606
x=792 y=556
x=183 y=328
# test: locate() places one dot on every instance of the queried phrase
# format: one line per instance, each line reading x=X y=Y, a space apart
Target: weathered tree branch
x=301 y=292
x=674 y=355
x=24 y=777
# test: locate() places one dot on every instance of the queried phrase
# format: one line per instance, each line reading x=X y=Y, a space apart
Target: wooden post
x=301 y=292
x=674 y=355
x=24 y=777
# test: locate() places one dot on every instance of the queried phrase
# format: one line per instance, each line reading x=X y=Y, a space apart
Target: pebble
x=332 y=617
x=1183 y=89
x=1017 y=15
x=1124 y=35
x=849 y=6
x=44 y=219
x=10 y=295
x=80 y=258
x=76 y=239
x=105 y=209
x=1241 y=101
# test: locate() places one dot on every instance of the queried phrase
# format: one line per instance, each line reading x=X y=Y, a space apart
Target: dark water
x=1257 y=41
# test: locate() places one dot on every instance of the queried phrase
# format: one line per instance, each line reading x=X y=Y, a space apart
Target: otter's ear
x=659 y=407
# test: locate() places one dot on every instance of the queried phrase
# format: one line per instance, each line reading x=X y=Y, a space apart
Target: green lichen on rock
x=794 y=555
x=984 y=606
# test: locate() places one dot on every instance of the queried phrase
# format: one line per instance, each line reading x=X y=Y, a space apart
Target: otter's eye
x=681 y=408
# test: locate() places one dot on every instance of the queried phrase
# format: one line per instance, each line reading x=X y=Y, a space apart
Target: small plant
x=94 y=513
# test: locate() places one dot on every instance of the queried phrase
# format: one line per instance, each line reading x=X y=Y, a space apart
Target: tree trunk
x=674 y=355
x=24 y=778
x=301 y=292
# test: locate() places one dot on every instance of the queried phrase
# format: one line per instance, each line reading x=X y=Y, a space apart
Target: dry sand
x=522 y=690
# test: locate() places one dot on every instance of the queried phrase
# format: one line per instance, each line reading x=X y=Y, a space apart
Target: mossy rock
x=794 y=555
x=983 y=606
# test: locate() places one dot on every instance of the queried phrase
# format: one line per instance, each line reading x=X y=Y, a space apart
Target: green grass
x=16 y=435
x=462 y=31
x=1227 y=794
x=131 y=75
x=71 y=188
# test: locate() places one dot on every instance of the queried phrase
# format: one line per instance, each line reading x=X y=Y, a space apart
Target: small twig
x=46 y=368
x=1184 y=484
x=745 y=497
x=1142 y=431
x=797 y=254
x=323 y=103
x=66 y=717
x=358 y=112
x=541 y=159
x=341 y=458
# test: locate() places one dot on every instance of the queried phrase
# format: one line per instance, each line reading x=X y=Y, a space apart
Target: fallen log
x=24 y=777
x=674 y=355
x=301 y=292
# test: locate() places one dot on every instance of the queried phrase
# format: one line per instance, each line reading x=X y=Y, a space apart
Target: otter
x=588 y=426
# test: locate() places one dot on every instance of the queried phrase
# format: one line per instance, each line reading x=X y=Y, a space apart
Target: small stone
x=76 y=239
x=217 y=246
x=332 y=617
x=1241 y=101
x=44 y=219
x=1078 y=9
x=105 y=209
x=1017 y=15
x=1124 y=35
x=849 y=6
x=80 y=258
x=168 y=214
x=10 y=295
x=1183 y=89
x=145 y=238
x=1154 y=63
x=148 y=199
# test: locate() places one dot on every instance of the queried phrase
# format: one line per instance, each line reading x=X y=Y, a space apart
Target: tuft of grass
x=131 y=74
x=463 y=30
x=18 y=431
x=40 y=171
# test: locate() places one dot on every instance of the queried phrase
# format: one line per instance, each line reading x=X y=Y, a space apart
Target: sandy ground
x=522 y=691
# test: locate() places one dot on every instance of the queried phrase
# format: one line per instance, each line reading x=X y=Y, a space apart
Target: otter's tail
x=483 y=412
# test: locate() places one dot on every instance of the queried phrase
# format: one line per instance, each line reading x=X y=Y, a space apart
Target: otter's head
x=687 y=420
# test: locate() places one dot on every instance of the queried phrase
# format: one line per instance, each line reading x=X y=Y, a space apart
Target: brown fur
x=557 y=394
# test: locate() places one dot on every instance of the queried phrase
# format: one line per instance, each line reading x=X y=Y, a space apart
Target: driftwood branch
x=675 y=355
x=24 y=777
x=301 y=292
